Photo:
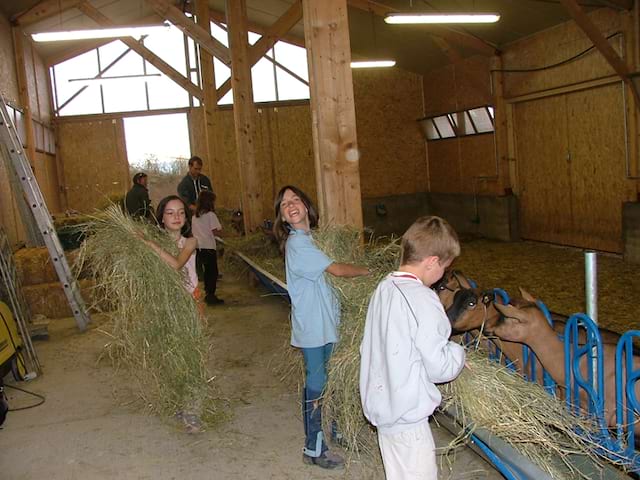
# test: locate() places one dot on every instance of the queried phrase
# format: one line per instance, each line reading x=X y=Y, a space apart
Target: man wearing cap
x=137 y=202
x=193 y=183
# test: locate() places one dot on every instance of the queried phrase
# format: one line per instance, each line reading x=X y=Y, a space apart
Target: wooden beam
x=93 y=13
x=454 y=37
x=602 y=44
x=244 y=114
x=221 y=17
x=333 y=115
x=210 y=103
x=197 y=33
x=44 y=10
x=269 y=38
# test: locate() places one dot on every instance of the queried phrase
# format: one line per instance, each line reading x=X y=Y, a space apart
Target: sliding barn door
x=571 y=168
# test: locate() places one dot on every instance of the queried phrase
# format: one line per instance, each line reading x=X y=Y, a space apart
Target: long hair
x=206 y=202
x=186 y=229
x=281 y=228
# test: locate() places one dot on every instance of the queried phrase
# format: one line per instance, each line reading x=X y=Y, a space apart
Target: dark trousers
x=207 y=262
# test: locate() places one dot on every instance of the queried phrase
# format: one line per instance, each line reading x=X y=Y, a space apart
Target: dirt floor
x=91 y=427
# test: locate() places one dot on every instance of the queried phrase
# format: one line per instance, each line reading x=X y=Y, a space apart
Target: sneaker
x=328 y=460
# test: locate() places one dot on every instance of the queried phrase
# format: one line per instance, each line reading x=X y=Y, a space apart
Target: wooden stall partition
x=388 y=104
x=94 y=157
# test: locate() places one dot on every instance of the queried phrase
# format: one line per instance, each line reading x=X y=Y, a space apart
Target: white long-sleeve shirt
x=404 y=352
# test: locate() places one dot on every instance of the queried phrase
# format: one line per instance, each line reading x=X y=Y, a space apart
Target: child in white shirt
x=206 y=226
x=406 y=350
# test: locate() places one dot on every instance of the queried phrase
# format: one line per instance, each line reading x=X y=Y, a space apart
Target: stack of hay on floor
x=158 y=333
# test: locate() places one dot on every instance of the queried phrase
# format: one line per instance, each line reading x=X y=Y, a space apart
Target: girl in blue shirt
x=315 y=311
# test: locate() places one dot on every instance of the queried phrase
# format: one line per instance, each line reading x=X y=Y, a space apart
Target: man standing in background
x=193 y=183
x=137 y=202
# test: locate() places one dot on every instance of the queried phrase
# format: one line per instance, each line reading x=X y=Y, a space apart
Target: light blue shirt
x=315 y=311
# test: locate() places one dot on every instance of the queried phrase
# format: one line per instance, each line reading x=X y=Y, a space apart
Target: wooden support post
x=501 y=126
x=23 y=88
x=244 y=114
x=210 y=103
x=269 y=38
x=93 y=13
x=333 y=112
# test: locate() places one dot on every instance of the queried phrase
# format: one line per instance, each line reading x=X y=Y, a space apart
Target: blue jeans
x=315 y=363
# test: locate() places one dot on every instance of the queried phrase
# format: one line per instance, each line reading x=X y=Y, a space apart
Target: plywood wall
x=8 y=76
x=466 y=164
x=95 y=161
x=556 y=45
x=392 y=150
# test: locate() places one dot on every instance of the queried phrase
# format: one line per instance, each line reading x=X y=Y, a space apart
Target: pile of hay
x=157 y=333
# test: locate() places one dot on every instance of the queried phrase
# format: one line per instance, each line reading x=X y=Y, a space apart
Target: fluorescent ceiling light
x=439 y=18
x=98 y=80
x=115 y=32
x=373 y=64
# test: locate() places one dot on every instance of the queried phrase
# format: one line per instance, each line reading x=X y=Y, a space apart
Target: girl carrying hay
x=172 y=216
x=315 y=311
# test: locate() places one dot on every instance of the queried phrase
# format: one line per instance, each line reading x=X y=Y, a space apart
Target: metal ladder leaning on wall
x=20 y=169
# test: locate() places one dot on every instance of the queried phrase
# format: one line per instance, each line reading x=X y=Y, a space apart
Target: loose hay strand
x=157 y=332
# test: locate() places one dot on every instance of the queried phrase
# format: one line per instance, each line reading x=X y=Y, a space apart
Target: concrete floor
x=91 y=427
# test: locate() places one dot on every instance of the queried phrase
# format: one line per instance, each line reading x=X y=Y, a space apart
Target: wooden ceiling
x=415 y=48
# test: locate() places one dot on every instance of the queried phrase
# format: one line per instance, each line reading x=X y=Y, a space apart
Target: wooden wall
x=572 y=145
x=95 y=163
x=392 y=149
x=466 y=164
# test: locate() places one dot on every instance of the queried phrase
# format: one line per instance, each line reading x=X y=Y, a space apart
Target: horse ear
x=526 y=295
x=506 y=310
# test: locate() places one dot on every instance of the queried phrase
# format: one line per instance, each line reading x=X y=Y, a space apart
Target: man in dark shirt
x=193 y=183
x=137 y=202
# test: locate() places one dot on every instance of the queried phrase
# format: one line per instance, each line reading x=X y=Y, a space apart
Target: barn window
x=458 y=124
x=133 y=84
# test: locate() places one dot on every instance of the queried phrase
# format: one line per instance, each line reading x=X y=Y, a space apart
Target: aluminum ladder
x=19 y=168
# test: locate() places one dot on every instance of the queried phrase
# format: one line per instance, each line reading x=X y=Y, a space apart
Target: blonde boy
x=406 y=350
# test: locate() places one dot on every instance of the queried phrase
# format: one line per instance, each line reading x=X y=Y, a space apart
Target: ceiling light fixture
x=440 y=18
x=373 y=64
x=114 y=32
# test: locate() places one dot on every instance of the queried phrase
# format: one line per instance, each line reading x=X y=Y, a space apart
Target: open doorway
x=158 y=145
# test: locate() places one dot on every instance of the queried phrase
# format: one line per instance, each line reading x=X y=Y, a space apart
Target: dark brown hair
x=281 y=228
x=186 y=229
x=195 y=159
x=206 y=202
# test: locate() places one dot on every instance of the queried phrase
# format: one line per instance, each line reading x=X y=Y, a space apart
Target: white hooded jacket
x=405 y=351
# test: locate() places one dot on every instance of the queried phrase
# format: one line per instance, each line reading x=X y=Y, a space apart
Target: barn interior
x=523 y=130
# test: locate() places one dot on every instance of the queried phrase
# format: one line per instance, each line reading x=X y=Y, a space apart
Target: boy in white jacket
x=406 y=350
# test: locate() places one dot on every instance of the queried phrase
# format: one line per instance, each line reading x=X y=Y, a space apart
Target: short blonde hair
x=429 y=236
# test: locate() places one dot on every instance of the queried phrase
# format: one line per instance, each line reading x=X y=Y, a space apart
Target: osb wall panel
x=444 y=166
x=8 y=76
x=392 y=150
x=42 y=82
x=597 y=148
x=558 y=44
x=225 y=173
x=48 y=180
x=458 y=86
x=95 y=162
x=32 y=86
x=479 y=170
x=293 y=150
x=197 y=140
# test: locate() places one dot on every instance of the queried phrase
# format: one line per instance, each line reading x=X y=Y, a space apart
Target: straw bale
x=34 y=266
x=48 y=299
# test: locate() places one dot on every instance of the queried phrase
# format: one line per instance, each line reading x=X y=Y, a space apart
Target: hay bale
x=34 y=265
x=48 y=299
